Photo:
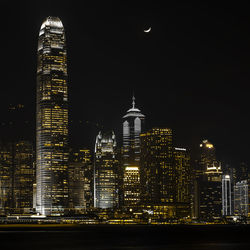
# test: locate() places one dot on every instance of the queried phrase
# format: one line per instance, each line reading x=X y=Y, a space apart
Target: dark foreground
x=214 y=237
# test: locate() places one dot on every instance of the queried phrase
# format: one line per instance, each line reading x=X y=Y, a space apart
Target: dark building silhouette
x=80 y=181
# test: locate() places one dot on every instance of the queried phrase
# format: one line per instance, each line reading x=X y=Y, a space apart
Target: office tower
x=131 y=186
x=106 y=171
x=158 y=176
x=6 y=179
x=17 y=176
x=80 y=180
x=52 y=119
x=209 y=186
x=24 y=176
x=207 y=154
x=211 y=193
x=241 y=198
x=184 y=181
x=226 y=195
x=133 y=125
x=205 y=159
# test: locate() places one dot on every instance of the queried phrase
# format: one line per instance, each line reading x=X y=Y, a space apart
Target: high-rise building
x=52 y=119
x=6 y=179
x=184 y=181
x=105 y=171
x=208 y=195
x=207 y=155
x=226 y=195
x=158 y=176
x=241 y=198
x=17 y=176
x=211 y=193
x=80 y=180
x=131 y=186
x=133 y=125
x=24 y=177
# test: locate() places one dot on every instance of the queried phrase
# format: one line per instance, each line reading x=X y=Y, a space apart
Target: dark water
x=127 y=237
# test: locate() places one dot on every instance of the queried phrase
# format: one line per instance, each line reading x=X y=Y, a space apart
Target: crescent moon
x=148 y=30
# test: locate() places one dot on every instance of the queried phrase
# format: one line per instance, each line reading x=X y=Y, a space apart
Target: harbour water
x=214 y=237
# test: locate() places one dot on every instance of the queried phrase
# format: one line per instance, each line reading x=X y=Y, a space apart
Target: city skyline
x=121 y=58
x=124 y=126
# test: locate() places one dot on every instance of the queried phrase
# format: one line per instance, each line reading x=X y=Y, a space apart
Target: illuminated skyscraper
x=226 y=195
x=210 y=184
x=207 y=155
x=80 y=180
x=241 y=198
x=133 y=125
x=6 y=179
x=24 y=177
x=157 y=169
x=184 y=181
x=52 y=119
x=106 y=171
x=17 y=176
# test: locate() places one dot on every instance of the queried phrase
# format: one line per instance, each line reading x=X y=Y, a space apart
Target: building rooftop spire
x=134 y=111
x=133 y=101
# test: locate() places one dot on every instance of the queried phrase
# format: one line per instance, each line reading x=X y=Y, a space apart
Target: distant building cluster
x=147 y=179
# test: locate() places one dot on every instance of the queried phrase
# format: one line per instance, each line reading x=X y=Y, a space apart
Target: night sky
x=190 y=73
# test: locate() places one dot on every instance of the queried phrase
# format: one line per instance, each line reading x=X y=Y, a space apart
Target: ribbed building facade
x=52 y=119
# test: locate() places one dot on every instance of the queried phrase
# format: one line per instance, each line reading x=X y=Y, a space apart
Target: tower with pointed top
x=52 y=150
x=133 y=125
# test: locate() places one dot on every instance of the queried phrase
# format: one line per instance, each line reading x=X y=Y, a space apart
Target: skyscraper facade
x=184 y=181
x=158 y=177
x=24 y=177
x=6 y=179
x=226 y=195
x=80 y=180
x=241 y=198
x=211 y=193
x=106 y=171
x=52 y=119
x=133 y=125
x=17 y=176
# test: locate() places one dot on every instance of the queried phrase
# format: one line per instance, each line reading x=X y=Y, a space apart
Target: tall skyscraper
x=52 y=119
x=17 y=176
x=158 y=176
x=24 y=177
x=226 y=195
x=207 y=155
x=6 y=179
x=241 y=198
x=133 y=125
x=106 y=171
x=208 y=185
x=184 y=181
x=211 y=192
